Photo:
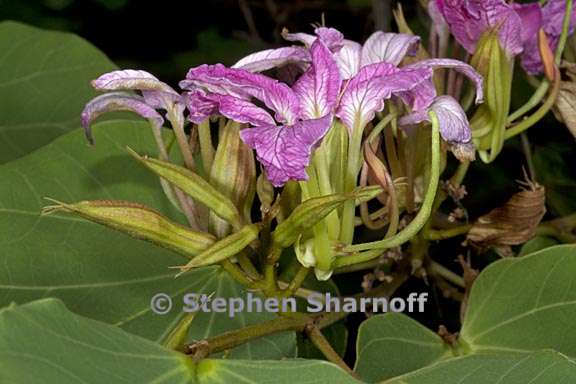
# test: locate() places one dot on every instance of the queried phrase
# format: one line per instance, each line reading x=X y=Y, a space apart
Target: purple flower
x=451 y=117
x=550 y=18
x=154 y=95
x=470 y=19
x=302 y=114
x=517 y=25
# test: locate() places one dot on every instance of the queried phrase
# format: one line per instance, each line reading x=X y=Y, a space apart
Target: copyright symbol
x=161 y=304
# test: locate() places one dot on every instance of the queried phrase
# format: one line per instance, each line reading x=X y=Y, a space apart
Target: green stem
x=206 y=147
x=543 y=88
x=538 y=115
x=447 y=274
x=447 y=233
x=297 y=281
x=320 y=342
x=418 y=222
x=353 y=166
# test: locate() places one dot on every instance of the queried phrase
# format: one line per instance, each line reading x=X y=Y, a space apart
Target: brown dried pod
x=566 y=105
x=513 y=223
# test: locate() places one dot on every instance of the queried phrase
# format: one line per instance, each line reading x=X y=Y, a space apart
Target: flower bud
x=194 y=186
x=225 y=248
x=489 y=122
x=140 y=222
x=234 y=174
x=311 y=211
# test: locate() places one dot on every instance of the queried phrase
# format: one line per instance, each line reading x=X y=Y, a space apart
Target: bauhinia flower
x=372 y=73
x=517 y=25
x=154 y=95
x=549 y=18
x=303 y=113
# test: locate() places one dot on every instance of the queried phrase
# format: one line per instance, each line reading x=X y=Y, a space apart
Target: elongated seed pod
x=139 y=222
x=225 y=248
x=194 y=186
x=311 y=211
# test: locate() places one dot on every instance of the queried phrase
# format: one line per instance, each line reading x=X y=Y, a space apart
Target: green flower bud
x=140 y=222
x=233 y=173
x=225 y=248
x=194 y=186
x=311 y=211
x=489 y=122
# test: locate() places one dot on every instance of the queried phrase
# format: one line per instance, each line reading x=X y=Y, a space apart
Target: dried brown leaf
x=513 y=223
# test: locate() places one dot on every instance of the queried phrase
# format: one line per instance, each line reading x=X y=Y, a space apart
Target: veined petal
x=438 y=22
x=454 y=126
x=420 y=97
x=331 y=37
x=531 y=17
x=156 y=93
x=388 y=47
x=551 y=22
x=130 y=79
x=117 y=101
x=273 y=58
x=202 y=105
x=469 y=19
x=348 y=59
x=244 y=85
x=459 y=66
x=365 y=93
x=285 y=151
x=319 y=86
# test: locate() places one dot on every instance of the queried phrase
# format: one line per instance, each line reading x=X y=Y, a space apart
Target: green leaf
x=63 y=347
x=44 y=84
x=525 y=304
x=393 y=344
x=543 y=367
x=536 y=244
x=98 y=272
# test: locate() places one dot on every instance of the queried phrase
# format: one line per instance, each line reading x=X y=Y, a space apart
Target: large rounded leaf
x=97 y=272
x=44 y=84
x=62 y=347
x=393 y=344
x=525 y=304
x=543 y=367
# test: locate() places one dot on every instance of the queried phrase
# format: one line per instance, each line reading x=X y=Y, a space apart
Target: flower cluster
x=518 y=25
x=325 y=78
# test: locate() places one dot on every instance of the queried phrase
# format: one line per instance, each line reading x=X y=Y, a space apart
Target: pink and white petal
x=348 y=59
x=552 y=19
x=201 y=105
x=459 y=66
x=285 y=151
x=420 y=97
x=438 y=21
x=388 y=47
x=454 y=126
x=329 y=36
x=117 y=101
x=243 y=84
x=273 y=58
x=130 y=79
x=365 y=93
x=531 y=17
x=319 y=86
x=469 y=19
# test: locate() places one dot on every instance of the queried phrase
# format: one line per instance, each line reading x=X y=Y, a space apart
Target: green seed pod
x=140 y=222
x=233 y=173
x=225 y=248
x=194 y=186
x=311 y=211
